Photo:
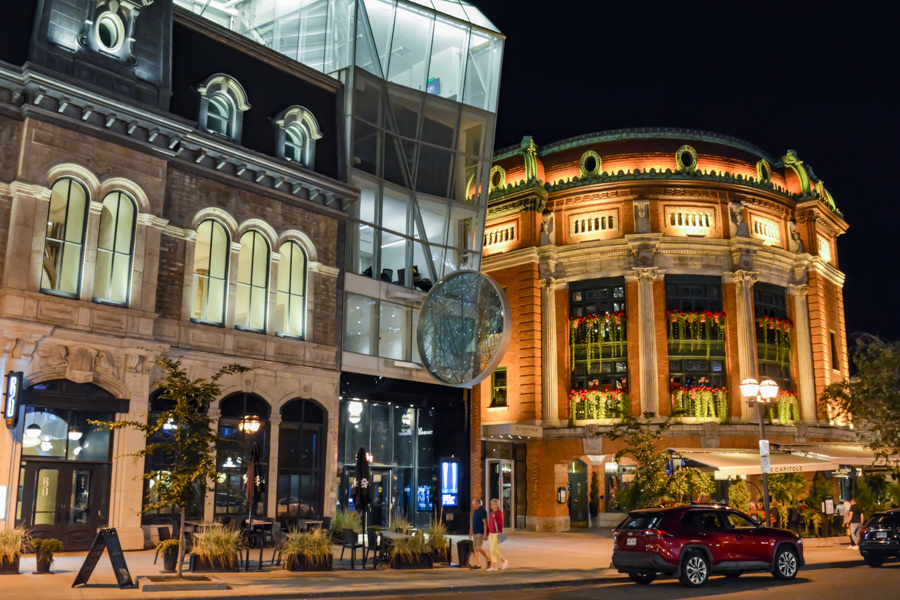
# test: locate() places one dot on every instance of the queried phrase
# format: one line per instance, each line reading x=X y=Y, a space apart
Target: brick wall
x=170 y=291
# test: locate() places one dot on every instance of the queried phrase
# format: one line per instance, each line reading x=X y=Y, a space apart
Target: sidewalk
x=535 y=559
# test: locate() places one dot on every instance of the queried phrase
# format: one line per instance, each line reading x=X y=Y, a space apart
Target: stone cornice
x=828 y=271
x=317 y=267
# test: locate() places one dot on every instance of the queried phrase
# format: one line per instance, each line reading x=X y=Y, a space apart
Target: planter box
x=9 y=568
x=423 y=561
x=583 y=422
x=200 y=565
x=300 y=563
x=442 y=556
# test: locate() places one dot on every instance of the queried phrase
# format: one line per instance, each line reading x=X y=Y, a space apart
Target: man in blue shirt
x=477 y=530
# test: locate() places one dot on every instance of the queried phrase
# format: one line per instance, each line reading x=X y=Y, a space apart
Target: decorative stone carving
x=795 y=244
x=109 y=363
x=643 y=255
x=738 y=227
x=547 y=228
x=642 y=216
x=52 y=355
x=529 y=150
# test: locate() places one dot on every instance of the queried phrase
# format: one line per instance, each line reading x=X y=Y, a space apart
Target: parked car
x=695 y=541
x=879 y=538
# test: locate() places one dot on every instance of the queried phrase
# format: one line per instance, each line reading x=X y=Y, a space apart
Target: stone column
x=549 y=371
x=647 y=341
x=746 y=324
x=806 y=386
x=272 y=476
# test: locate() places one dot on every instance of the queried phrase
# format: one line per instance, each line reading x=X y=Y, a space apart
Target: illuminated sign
x=450 y=483
x=423 y=497
x=11 y=400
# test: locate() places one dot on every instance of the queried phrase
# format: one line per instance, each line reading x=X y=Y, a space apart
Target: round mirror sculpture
x=464 y=328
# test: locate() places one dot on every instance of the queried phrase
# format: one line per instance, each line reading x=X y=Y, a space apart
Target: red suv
x=696 y=541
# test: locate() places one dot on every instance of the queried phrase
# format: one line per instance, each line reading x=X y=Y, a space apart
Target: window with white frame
x=223 y=103
x=290 y=299
x=297 y=132
x=252 y=282
x=64 y=245
x=112 y=277
x=210 y=273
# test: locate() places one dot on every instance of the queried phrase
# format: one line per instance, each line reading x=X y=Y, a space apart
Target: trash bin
x=465 y=549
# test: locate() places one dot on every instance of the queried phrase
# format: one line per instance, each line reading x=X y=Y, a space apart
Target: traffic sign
x=765 y=464
x=763 y=447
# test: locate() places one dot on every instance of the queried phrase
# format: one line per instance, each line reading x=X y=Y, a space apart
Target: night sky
x=817 y=77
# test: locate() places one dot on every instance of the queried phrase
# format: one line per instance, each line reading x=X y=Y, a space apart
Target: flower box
x=301 y=563
x=422 y=561
x=202 y=565
x=9 y=568
x=583 y=422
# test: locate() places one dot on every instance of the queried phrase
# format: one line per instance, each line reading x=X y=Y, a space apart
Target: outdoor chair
x=164 y=534
x=376 y=544
x=351 y=542
x=278 y=538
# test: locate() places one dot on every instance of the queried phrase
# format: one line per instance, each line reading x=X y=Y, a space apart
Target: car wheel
x=642 y=578
x=732 y=574
x=785 y=565
x=873 y=561
x=694 y=570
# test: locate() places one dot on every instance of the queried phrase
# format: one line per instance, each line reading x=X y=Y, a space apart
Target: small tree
x=644 y=444
x=595 y=495
x=688 y=483
x=788 y=488
x=739 y=495
x=191 y=445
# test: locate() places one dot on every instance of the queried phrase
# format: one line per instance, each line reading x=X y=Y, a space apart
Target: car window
x=888 y=519
x=642 y=521
x=701 y=520
x=735 y=520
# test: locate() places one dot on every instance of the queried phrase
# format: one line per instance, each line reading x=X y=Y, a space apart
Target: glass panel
x=358 y=415
x=447 y=53
x=382 y=433
x=366 y=140
x=483 y=71
x=399 y=156
x=394 y=331
x=289 y=301
x=367 y=200
x=121 y=278
x=393 y=210
x=434 y=217
x=64 y=238
x=423 y=277
x=416 y=357
x=366 y=258
x=461 y=233
x=393 y=256
x=312 y=34
x=433 y=174
x=44 y=510
x=360 y=322
x=367 y=100
x=210 y=269
x=124 y=224
x=381 y=20
x=89 y=442
x=80 y=501
x=404 y=425
x=46 y=432
x=102 y=272
x=409 y=50
x=76 y=214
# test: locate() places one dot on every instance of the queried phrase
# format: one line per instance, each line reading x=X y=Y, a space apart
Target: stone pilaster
x=746 y=324
x=549 y=371
x=272 y=475
x=647 y=340
x=806 y=386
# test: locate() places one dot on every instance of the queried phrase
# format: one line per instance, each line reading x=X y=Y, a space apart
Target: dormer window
x=109 y=29
x=296 y=135
x=223 y=103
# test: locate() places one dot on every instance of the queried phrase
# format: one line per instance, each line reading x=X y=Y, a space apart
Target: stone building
x=165 y=185
x=650 y=271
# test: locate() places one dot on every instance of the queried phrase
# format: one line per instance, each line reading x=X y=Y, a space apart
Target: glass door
x=499 y=483
x=382 y=495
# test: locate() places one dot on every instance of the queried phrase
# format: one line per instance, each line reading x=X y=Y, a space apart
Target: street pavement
x=536 y=561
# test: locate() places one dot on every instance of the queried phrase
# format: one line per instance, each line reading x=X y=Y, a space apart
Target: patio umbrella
x=362 y=487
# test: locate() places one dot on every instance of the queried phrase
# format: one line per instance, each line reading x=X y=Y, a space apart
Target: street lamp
x=761 y=394
x=249 y=424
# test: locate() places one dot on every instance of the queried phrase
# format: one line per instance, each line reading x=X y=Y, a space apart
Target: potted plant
x=307 y=551
x=438 y=544
x=13 y=543
x=169 y=551
x=398 y=523
x=44 y=551
x=594 y=497
x=217 y=549
x=411 y=553
x=344 y=519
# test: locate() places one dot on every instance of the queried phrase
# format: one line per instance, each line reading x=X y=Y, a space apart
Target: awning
x=856 y=455
x=511 y=431
x=731 y=463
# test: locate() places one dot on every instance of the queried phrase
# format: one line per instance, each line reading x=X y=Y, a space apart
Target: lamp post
x=250 y=424
x=761 y=394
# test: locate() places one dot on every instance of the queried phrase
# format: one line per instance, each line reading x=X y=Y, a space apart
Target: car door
x=706 y=528
x=750 y=545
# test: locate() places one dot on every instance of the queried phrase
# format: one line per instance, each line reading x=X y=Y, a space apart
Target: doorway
x=578 y=496
x=382 y=494
x=64 y=500
x=500 y=483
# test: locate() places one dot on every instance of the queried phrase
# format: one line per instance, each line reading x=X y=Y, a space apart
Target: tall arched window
x=63 y=250
x=112 y=280
x=210 y=273
x=290 y=300
x=301 y=459
x=252 y=282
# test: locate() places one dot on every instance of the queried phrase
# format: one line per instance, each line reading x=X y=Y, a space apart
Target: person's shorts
x=478 y=540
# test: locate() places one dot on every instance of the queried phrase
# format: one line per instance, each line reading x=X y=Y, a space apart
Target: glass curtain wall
x=422 y=81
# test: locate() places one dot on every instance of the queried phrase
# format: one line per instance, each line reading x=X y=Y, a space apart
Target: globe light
x=354 y=411
x=33 y=431
x=768 y=389
x=74 y=434
x=250 y=424
x=749 y=388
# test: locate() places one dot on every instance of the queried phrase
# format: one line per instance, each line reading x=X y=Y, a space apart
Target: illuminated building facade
x=650 y=271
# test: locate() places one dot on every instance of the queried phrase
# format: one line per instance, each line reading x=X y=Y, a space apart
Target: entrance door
x=380 y=510
x=578 y=494
x=499 y=483
x=64 y=500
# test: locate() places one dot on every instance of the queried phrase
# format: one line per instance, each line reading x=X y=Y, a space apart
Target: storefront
x=504 y=450
x=417 y=436
x=66 y=462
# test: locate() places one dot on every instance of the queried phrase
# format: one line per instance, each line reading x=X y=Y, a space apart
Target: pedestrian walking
x=495 y=531
x=477 y=529
x=853 y=519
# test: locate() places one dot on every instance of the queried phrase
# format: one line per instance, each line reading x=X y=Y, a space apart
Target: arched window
x=236 y=450
x=294 y=143
x=63 y=249
x=112 y=279
x=297 y=132
x=301 y=459
x=252 y=282
x=290 y=300
x=223 y=103
x=210 y=273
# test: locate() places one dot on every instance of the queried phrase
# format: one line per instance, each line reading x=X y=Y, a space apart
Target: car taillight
x=863 y=530
x=654 y=533
x=615 y=533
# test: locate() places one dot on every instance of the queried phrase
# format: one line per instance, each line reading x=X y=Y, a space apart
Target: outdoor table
x=307 y=524
x=256 y=532
x=393 y=535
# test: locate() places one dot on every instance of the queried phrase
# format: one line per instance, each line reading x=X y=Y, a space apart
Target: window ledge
x=497 y=408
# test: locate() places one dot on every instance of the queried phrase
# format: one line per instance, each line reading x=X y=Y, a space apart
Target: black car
x=879 y=538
